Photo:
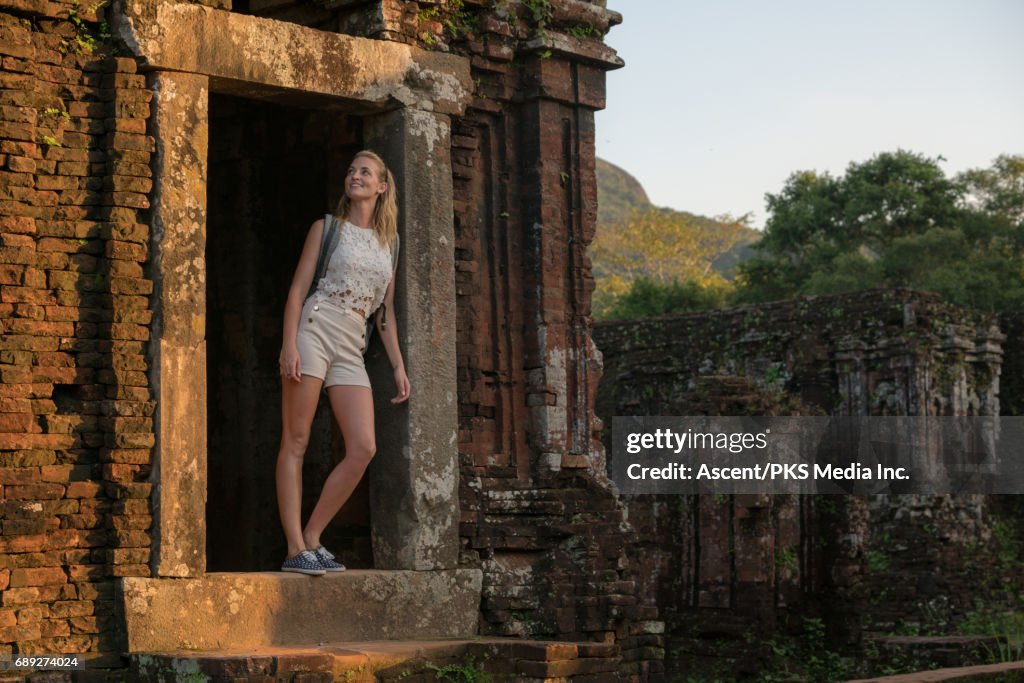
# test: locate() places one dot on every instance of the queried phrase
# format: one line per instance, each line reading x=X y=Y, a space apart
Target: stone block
x=272 y=608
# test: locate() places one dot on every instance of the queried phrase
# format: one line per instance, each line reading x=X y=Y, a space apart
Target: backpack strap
x=328 y=241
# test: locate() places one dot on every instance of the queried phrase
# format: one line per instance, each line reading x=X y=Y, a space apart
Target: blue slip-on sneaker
x=306 y=562
x=327 y=560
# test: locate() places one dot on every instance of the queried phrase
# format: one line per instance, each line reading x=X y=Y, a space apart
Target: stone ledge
x=261 y=609
x=391 y=660
x=997 y=672
x=575 y=49
x=243 y=49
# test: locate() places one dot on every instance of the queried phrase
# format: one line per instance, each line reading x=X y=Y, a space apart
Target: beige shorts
x=330 y=341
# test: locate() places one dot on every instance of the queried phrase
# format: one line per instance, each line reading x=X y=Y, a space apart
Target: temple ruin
x=160 y=164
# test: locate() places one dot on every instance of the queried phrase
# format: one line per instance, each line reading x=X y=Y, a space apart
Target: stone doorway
x=198 y=62
x=273 y=170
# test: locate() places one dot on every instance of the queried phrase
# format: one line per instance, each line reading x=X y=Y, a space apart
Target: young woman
x=323 y=344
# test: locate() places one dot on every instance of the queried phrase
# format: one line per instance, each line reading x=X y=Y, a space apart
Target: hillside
x=619 y=194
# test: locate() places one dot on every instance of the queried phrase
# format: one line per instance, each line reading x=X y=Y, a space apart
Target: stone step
x=1002 y=672
x=937 y=651
x=266 y=609
x=409 y=661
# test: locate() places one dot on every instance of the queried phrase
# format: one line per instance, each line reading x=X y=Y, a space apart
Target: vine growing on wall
x=455 y=20
x=52 y=119
x=89 y=35
x=540 y=15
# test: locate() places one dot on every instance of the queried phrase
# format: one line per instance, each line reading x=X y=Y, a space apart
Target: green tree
x=662 y=246
x=895 y=220
x=647 y=297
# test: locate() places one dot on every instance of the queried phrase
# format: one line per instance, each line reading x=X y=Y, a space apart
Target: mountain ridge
x=620 y=194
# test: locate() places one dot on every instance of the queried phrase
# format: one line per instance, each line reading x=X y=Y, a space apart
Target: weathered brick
x=129 y=141
x=84 y=624
x=56 y=473
x=122 y=491
x=53 y=182
x=127 y=125
x=10 y=129
x=69 y=608
x=128 y=232
x=131 y=521
x=130 y=570
x=41 y=328
x=15 y=404
x=19 y=596
x=131 y=251
x=11 y=274
x=27 y=458
x=83 y=489
x=34 y=491
x=18 y=475
x=130 y=285
x=25 y=225
x=131 y=506
x=33 y=613
x=39 y=576
x=29 y=526
x=92 y=591
x=17 y=255
x=72 y=643
x=11 y=421
x=120 y=472
x=73 y=168
x=130 y=184
x=14 y=375
x=20 y=633
x=84 y=521
x=129 y=555
x=131 y=538
x=56 y=627
x=86 y=572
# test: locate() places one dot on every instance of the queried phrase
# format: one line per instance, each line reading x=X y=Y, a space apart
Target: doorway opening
x=273 y=170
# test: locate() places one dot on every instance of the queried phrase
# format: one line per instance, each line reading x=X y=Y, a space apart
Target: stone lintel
x=585 y=50
x=583 y=13
x=178 y=347
x=245 y=610
x=243 y=49
x=414 y=476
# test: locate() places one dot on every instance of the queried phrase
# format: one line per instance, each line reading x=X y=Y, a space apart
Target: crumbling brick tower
x=160 y=162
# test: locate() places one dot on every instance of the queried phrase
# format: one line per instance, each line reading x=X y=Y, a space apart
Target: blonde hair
x=385 y=211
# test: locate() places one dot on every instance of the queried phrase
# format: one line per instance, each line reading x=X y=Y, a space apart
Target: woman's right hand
x=291 y=365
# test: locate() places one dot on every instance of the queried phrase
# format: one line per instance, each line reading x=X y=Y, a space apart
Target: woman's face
x=363 y=179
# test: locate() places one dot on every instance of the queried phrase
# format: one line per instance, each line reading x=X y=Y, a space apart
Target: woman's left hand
x=402 y=384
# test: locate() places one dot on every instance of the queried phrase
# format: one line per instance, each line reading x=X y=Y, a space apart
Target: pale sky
x=721 y=100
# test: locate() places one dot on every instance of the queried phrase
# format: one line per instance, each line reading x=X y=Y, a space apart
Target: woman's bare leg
x=298 y=406
x=353 y=408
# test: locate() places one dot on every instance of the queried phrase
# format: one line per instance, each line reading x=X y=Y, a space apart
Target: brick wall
x=75 y=426
x=538 y=513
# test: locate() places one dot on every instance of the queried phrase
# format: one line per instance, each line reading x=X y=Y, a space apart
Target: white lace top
x=358 y=273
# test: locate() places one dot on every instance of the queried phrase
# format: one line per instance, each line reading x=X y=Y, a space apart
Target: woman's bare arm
x=303 y=278
x=389 y=335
